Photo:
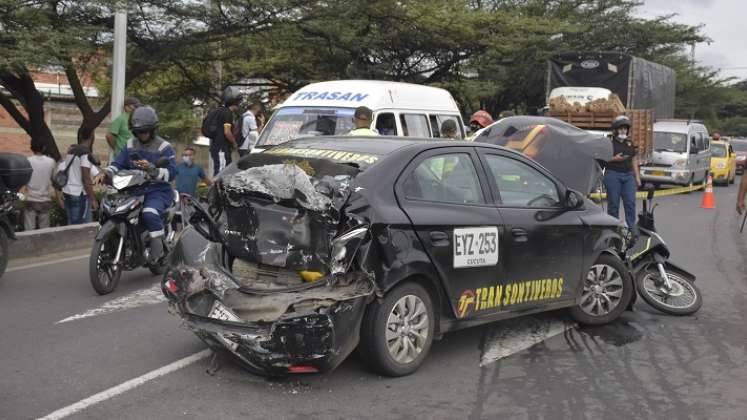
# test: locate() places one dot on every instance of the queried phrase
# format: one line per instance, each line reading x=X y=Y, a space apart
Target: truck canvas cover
x=640 y=84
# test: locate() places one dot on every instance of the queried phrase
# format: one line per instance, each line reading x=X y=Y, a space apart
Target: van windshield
x=670 y=142
x=294 y=122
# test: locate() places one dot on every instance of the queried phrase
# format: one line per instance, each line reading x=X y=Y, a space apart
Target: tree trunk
x=21 y=86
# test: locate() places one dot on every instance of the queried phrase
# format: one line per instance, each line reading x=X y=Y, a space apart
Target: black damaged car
x=322 y=245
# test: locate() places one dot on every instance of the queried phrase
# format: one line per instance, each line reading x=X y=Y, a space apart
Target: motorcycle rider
x=143 y=152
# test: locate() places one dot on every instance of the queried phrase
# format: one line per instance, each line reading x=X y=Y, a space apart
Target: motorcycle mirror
x=162 y=162
x=650 y=189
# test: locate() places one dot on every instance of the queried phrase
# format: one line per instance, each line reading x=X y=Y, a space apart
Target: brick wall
x=63 y=118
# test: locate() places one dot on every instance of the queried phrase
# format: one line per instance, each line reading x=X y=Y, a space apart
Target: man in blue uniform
x=143 y=152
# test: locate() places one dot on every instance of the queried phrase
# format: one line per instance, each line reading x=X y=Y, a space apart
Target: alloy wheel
x=603 y=290
x=407 y=329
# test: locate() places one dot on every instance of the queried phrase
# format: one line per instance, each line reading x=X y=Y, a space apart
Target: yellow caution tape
x=657 y=193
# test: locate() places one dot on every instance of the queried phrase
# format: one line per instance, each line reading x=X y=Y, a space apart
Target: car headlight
x=344 y=248
x=679 y=162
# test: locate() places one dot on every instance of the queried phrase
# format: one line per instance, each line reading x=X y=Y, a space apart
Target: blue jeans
x=621 y=184
x=77 y=209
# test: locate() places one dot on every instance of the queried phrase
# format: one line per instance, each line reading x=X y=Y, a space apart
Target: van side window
x=701 y=142
x=435 y=126
x=706 y=140
x=694 y=143
x=386 y=125
x=414 y=125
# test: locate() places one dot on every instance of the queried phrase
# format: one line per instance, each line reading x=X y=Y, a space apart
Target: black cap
x=363 y=113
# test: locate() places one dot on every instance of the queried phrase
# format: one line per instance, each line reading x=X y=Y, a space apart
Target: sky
x=724 y=21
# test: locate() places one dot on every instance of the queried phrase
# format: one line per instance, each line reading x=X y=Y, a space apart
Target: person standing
x=78 y=196
x=188 y=174
x=249 y=129
x=741 y=194
x=119 y=130
x=362 y=120
x=38 y=192
x=219 y=124
x=621 y=177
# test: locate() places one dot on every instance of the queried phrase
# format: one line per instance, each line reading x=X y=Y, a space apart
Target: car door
x=731 y=162
x=544 y=243
x=445 y=196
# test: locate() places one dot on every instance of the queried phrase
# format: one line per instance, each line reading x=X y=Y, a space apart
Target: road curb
x=42 y=242
x=659 y=193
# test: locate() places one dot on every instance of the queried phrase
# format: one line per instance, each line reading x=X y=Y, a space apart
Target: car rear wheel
x=608 y=289
x=397 y=332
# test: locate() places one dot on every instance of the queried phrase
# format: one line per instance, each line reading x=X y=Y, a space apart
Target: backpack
x=238 y=131
x=211 y=125
x=60 y=178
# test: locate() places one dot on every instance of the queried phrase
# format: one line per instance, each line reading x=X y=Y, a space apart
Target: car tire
x=408 y=302
x=608 y=280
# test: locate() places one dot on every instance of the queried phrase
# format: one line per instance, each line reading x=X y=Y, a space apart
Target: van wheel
x=397 y=332
x=608 y=288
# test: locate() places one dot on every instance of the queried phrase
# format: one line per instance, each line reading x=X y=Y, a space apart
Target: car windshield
x=294 y=122
x=670 y=142
x=740 y=146
x=718 y=150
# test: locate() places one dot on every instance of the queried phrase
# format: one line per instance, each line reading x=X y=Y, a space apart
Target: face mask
x=186 y=159
x=622 y=137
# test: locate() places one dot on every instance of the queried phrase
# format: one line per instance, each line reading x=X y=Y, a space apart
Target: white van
x=682 y=153
x=326 y=108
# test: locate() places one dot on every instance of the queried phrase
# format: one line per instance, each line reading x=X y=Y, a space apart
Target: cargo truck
x=596 y=87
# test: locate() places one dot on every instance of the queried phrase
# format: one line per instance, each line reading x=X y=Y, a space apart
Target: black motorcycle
x=122 y=242
x=662 y=284
x=15 y=172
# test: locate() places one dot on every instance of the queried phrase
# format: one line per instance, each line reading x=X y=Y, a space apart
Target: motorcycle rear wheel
x=104 y=277
x=684 y=298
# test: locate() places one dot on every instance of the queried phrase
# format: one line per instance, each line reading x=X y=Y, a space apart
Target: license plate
x=475 y=247
x=658 y=173
x=219 y=311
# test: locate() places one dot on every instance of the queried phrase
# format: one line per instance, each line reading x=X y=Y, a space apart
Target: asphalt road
x=647 y=365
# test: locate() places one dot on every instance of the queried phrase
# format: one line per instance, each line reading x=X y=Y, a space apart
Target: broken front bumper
x=297 y=343
x=311 y=328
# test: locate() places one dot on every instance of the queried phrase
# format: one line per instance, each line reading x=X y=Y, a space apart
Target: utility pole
x=120 y=61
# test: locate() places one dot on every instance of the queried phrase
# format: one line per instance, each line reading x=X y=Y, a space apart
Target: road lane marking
x=42 y=264
x=125 y=386
x=133 y=300
x=520 y=334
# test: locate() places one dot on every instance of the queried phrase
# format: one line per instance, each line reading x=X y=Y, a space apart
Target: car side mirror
x=573 y=200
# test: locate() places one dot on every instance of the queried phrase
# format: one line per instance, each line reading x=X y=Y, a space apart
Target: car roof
x=375 y=145
x=375 y=94
x=676 y=126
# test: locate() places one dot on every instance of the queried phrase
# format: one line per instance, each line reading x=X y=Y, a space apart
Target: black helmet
x=621 y=121
x=231 y=96
x=143 y=119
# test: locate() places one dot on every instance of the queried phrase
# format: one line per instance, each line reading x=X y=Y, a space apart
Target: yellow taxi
x=723 y=163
